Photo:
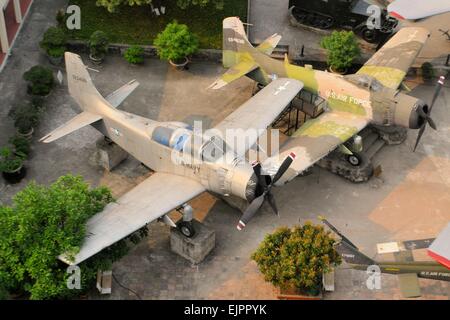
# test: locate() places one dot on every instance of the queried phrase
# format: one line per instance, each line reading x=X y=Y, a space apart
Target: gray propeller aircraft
x=404 y=266
x=186 y=162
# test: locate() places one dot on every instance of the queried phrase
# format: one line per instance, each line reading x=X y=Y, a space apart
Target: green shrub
x=10 y=161
x=40 y=80
x=342 y=48
x=428 y=72
x=42 y=223
x=98 y=44
x=297 y=258
x=25 y=117
x=54 y=42
x=175 y=42
x=134 y=55
x=21 y=144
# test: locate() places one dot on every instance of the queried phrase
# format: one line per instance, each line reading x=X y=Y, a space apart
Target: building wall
x=12 y=13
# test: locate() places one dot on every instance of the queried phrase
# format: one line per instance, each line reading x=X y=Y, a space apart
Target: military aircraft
x=187 y=162
x=371 y=96
x=417 y=9
x=405 y=267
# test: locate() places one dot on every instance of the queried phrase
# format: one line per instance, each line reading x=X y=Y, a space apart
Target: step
x=374 y=148
x=369 y=140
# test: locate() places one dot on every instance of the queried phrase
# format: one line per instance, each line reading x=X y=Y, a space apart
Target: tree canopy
x=342 y=48
x=297 y=257
x=44 y=222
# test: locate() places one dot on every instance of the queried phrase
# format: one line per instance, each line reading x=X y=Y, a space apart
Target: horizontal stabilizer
x=83 y=119
x=268 y=45
x=409 y=285
x=117 y=97
x=235 y=72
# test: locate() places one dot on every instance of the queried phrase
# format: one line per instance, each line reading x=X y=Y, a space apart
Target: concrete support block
x=194 y=249
x=108 y=155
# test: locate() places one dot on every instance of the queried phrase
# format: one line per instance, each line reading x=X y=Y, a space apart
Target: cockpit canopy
x=172 y=134
x=364 y=81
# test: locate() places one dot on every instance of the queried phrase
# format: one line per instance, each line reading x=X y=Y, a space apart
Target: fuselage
x=173 y=147
x=357 y=94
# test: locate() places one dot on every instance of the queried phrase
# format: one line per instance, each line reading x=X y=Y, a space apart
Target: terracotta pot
x=95 y=60
x=178 y=65
x=28 y=135
x=15 y=176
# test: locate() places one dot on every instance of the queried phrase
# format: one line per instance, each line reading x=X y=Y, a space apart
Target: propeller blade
x=250 y=211
x=419 y=136
x=431 y=123
x=284 y=166
x=439 y=86
x=257 y=170
x=271 y=200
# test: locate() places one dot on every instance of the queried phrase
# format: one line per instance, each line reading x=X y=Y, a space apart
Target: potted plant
x=427 y=72
x=54 y=44
x=175 y=44
x=134 y=55
x=40 y=81
x=11 y=165
x=26 y=117
x=342 y=49
x=21 y=144
x=295 y=260
x=98 y=46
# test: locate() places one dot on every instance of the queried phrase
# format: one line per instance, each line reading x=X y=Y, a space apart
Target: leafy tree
x=44 y=222
x=175 y=42
x=297 y=258
x=342 y=48
x=112 y=5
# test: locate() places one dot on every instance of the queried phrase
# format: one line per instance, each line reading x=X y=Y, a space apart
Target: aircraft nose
x=417 y=117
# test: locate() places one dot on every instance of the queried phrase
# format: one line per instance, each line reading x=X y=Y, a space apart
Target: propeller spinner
x=425 y=114
x=265 y=184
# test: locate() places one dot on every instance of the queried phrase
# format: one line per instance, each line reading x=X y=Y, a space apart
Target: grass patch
x=137 y=25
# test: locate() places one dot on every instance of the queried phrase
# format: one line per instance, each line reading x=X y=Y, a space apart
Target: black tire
x=370 y=35
x=186 y=228
x=354 y=159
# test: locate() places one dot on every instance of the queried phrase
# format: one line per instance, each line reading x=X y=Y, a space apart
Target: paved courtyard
x=410 y=200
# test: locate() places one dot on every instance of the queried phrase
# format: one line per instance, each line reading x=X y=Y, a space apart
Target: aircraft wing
x=268 y=45
x=409 y=285
x=259 y=112
x=417 y=9
x=151 y=199
x=234 y=73
x=314 y=140
x=390 y=64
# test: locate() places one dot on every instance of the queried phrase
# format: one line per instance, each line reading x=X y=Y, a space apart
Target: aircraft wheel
x=186 y=228
x=354 y=159
x=369 y=35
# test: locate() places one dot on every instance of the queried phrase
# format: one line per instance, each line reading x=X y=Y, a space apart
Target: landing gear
x=186 y=228
x=354 y=159
x=185 y=225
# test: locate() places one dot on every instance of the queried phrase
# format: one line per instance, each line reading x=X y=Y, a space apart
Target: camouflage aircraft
x=371 y=96
x=187 y=162
x=404 y=266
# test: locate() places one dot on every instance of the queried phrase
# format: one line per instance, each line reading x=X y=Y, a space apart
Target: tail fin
x=80 y=84
x=348 y=251
x=234 y=41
